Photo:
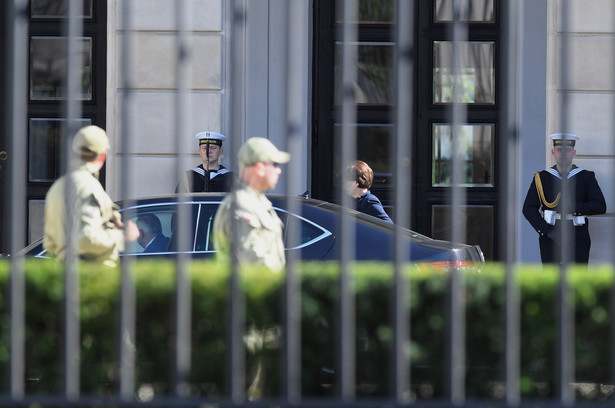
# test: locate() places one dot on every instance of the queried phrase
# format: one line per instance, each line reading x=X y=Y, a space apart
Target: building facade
x=238 y=77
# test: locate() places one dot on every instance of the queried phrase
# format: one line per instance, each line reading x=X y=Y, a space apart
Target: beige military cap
x=259 y=149
x=90 y=140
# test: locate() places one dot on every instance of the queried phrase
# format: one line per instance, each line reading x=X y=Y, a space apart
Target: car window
x=192 y=210
x=298 y=231
x=301 y=229
x=304 y=230
x=205 y=224
x=152 y=216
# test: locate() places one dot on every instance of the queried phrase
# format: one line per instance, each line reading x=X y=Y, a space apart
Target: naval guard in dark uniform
x=210 y=176
x=542 y=204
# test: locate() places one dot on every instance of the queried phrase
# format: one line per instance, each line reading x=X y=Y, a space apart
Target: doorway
x=432 y=99
x=46 y=99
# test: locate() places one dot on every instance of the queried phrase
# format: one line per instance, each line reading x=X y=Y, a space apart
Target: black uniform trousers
x=550 y=250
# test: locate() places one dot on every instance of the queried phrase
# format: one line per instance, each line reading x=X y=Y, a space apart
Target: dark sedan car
x=313 y=226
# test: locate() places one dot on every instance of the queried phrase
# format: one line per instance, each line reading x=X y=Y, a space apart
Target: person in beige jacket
x=98 y=228
x=249 y=211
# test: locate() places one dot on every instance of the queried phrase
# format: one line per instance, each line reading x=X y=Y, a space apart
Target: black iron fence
x=345 y=345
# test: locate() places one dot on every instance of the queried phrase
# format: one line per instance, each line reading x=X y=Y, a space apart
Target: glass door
x=473 y=84
x=47 y=93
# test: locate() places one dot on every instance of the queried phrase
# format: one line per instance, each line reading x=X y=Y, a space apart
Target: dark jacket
x=370 y=204
x=159 y=244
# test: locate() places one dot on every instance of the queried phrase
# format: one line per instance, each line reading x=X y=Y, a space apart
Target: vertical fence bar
x=296 y=74
x=567 y=247
x=612 y=202
x=127 y=292
x=403 y=175
x=565 y=347
x=509 y=152
x=236 y=364
x=183 y=296
x=72 y=345
x=184 y=144
x=15 y=99
x=346 y=327
x=459 y=34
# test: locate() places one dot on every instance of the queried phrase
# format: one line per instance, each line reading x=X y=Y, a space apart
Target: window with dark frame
x=47 y=92
x=374 y=97
x=373 y=92
x=477 y=138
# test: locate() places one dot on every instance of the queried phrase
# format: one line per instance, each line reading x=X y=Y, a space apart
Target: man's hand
x=131 y=231
x=118 y=223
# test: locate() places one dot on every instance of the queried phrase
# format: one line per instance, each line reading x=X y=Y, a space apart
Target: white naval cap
x=210 y=138
x=564 y=139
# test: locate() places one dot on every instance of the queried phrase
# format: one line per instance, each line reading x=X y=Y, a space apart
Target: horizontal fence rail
x=452 y=331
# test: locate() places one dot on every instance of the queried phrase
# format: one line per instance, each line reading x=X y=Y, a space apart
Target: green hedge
x=155 y=282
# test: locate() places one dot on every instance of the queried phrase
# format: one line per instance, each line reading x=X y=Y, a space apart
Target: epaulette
x=541 y=193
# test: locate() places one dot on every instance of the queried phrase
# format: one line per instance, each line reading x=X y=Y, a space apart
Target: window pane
x=374 y=74
x=476 y=81
x=36 y=220
x=369 y=11
x=48 y=64
x=476 y=146
x=373 y=146
x=470 y=10
x=56 y=8
x=480 y=226
x=44 y=148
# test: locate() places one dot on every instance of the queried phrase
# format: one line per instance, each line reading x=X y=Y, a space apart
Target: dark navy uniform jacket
x=588 y=200
x=219 y=181
x=370 y=204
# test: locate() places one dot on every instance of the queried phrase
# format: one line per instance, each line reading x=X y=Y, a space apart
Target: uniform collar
x=573 y=171
x=201 y=170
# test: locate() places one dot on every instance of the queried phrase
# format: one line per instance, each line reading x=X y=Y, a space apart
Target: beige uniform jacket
x=258 y=228
x=93 y=212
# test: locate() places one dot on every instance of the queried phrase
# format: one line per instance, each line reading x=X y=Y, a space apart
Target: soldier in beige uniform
x=247 y=209
x=101 y=233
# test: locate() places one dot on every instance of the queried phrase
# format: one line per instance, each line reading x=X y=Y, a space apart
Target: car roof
x=366 y=219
